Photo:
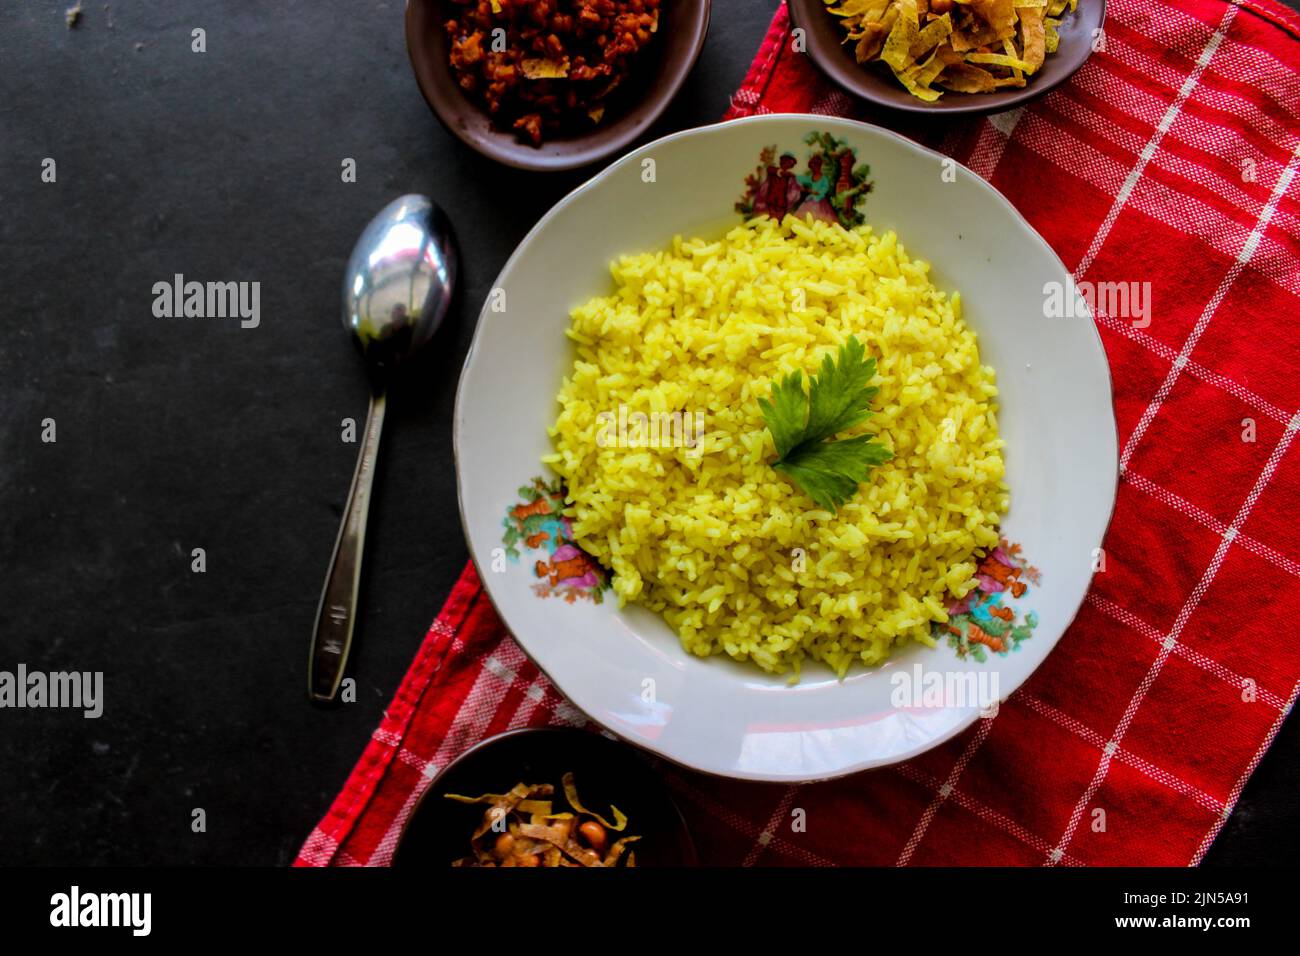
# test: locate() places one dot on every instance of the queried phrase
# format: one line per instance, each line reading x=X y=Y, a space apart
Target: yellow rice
x=729 y=551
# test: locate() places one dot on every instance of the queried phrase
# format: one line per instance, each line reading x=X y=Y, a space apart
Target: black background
x=174 y=434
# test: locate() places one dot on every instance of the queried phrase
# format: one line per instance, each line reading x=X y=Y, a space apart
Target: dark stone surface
x=175 y=434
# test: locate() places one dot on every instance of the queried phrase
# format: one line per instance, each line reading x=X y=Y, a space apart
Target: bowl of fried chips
x=547 y=797
x=954 y=56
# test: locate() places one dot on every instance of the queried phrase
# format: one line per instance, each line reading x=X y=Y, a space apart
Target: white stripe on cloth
x=787 y=847
x=995 y=133
x=1191 y=655
x=1171 y=641
x=1169 y=74
x=1210 y=522
x=1180 y=211
x=1163 y=22
x=922 y=825
x=1259 y=68
x=739 y=823
x=1166 y=121
x=1243 y=257
x=1240 y=785
x=1194 y=368
x=318 y=849
x=784 y=845
x=1142 y=765
x=542 y=695
x=987 y=814
x=779 y=814
x=1113 y=86
x=1202 y=177
x=1195 y=657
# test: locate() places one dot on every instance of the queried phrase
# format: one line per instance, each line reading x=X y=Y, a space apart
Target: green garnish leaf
x=838 y=399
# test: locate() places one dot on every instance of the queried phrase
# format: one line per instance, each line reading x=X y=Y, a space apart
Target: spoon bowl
x=399 y=280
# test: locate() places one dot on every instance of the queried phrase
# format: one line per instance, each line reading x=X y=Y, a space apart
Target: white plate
x=714 y=714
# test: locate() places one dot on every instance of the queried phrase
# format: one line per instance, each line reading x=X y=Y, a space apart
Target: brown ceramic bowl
x=874 y=81
x=658 y=73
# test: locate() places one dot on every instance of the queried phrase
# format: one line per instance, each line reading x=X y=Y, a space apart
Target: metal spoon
x=396 y=291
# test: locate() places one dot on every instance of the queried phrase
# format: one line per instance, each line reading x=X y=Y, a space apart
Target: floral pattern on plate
x=537 y=523
x=981 y=621
x=832 y=188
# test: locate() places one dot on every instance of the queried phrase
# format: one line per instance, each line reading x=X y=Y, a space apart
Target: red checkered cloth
x=1170 y=158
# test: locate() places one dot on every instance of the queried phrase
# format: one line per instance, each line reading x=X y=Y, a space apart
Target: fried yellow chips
x=967 y=46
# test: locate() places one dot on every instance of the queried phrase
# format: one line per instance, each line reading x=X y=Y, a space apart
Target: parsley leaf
x=838 y=398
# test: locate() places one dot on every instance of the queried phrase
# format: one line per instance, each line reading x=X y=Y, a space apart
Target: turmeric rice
x=733 y=555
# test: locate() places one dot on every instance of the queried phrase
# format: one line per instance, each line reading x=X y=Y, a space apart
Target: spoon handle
x=337 y=614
